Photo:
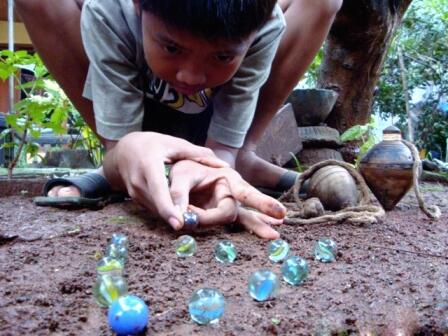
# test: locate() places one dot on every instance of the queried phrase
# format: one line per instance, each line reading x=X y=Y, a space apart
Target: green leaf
x=354 y=133
x=11 y=120
x=6 y=70
x=35 y=133
x=32 y=149
x=7 y=53
x=8 y=145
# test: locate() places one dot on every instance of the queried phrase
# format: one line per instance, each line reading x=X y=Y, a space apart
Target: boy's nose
x=191 y=76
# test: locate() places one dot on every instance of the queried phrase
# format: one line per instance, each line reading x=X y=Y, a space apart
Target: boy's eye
x=171 y=49
x=224 y=58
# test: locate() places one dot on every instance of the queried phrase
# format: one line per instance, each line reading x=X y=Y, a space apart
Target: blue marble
x=128 y=315
x=278 y=250
x=225 y=252
x=263 y=285
x=118 y=252
x=109 y=288
x=325 y=250
x=185 y=246
x=191 y=220
x=206 y=305
x=295 y=270
x=108 y=265
x=119 y=240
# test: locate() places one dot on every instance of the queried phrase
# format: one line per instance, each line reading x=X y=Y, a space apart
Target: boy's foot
x=87 y=190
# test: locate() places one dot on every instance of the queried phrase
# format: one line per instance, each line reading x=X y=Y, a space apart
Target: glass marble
x=108 y=288
x=185 y=246
x=128 y=315
x=117 y=252
x=225 y=252
x=263 y=285
x=108 y=265
x=119 y=240
x=325 y=250
x=206 y=306
x=278 y=250
x=295 y=270
x=191 y=220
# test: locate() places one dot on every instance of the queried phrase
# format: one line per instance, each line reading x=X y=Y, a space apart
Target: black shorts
x=163 y=119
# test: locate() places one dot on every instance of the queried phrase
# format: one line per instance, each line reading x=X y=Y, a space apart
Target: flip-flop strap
x=286 y=181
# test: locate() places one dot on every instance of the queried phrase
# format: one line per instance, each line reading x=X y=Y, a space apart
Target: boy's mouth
x=186 y=89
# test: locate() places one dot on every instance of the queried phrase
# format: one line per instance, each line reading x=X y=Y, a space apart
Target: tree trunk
x=354 y=54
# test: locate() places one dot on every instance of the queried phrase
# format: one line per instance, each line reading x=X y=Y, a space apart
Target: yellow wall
x=20 y=35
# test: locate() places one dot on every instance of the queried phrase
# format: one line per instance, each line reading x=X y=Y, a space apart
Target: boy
x=182 y=54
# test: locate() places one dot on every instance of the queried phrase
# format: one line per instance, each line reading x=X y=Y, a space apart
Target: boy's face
x=188 y=63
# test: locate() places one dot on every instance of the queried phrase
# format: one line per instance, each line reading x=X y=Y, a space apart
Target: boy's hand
x=218 y=197
x=136 y=164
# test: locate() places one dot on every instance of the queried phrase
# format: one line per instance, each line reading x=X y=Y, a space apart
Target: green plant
x=45 y=106
x=86 y=139
x=363 y=133
x=299 y=167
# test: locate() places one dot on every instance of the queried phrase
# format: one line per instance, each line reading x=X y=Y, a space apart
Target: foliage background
x=423 y=42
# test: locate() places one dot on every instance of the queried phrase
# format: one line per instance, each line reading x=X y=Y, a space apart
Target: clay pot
x=312 y=106
x=387 y=168
x=335 y=188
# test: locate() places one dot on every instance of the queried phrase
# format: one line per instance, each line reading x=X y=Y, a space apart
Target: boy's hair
x=232 y=20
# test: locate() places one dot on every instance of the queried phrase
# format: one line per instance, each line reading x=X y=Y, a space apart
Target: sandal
x=95 y=192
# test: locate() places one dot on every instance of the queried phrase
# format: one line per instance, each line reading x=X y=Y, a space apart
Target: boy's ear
x=138 y=7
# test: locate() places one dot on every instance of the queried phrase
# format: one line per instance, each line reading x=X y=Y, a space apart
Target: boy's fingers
x=157 y=191
x=224 y=213
x=251 y=197
x=180 y=191
x=211 y=162
x=226 y=208
x=255 y=224
x=202 y=155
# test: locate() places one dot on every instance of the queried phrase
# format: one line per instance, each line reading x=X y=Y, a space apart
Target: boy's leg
x=308 y=23
x=54 y=29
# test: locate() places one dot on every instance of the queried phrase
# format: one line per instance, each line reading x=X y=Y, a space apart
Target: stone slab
x=280 y=138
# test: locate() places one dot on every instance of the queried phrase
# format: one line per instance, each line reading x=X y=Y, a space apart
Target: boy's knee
x=40 y=6
x=34 y=6
x=329 y=8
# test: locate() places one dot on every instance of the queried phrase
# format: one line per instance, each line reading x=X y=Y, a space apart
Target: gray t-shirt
x=118 y=79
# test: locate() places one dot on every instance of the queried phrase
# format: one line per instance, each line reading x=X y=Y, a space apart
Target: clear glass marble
x=119 y=239
x=225 y=252
x=325 y=250
x=185 y=246
x=295 y=270
x=278 y=250
x=263 y=285
x=118 y=252
x=107 y=265
x=108 y=288
x=206 y=305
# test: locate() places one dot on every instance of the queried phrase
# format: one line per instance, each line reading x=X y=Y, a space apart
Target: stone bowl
x=312 y=106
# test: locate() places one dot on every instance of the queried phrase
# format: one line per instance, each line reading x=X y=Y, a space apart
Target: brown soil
x=388 y=277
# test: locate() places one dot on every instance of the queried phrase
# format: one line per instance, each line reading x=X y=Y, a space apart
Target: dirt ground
x=388 y=278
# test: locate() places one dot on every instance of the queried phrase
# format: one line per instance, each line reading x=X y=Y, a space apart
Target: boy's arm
x=224 y=152
x=235 y=102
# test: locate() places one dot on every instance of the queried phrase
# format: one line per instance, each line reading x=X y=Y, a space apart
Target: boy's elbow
x=329 y=8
